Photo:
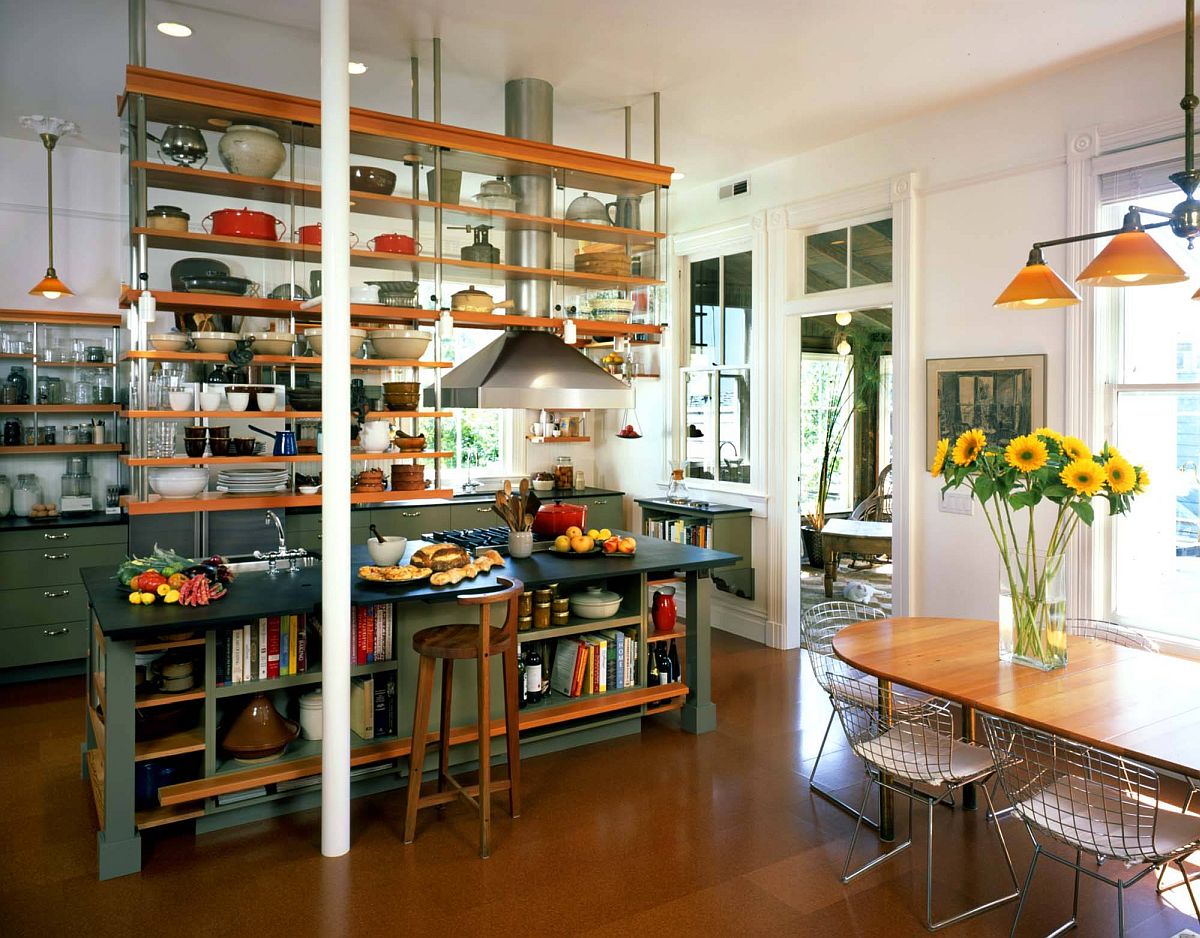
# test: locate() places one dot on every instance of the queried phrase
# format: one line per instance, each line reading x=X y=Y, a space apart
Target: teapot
x=375 y=436
x=183 y=145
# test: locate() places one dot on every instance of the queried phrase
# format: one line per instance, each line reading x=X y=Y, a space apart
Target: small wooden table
x=861 y=537
x=1132 y=702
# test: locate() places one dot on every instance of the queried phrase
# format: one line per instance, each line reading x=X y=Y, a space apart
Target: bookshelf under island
x=273 y=623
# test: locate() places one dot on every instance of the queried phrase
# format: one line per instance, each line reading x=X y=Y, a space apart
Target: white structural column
x=335 y=404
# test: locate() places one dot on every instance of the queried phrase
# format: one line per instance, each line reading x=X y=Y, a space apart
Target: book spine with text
x=272 y=648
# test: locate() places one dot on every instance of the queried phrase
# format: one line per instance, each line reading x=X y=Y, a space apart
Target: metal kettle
x=182 y=144
x=626 y=212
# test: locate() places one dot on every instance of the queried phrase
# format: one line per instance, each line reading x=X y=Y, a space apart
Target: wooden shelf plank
x=225 y=414
x=557 y=439
x=312 y=361
x=217 y=501
x=267 y=459
x=164 y=646
x=163 y=699
x=58 y=318
x=580 y=626
x=676 y=633
x=40 y=450
x=407 y=414
x=45 y=364
x=60 y=408
x=157 y=817
x=95 y=761
x=173 y=745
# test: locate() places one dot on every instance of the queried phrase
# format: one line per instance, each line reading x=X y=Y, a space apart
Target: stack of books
x=373 y=705
x=277 y=646
x=595 y=663
x=371 y=635
x=680 y=531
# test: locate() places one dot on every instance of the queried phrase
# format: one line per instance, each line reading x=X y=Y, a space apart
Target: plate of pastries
x=437 y=564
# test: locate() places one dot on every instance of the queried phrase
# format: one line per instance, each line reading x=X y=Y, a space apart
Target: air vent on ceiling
x=734 y=189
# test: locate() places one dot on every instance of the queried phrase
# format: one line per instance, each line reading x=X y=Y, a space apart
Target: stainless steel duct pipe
x=529 y=114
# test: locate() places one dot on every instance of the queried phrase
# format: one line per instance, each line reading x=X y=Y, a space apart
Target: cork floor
x=661 y=833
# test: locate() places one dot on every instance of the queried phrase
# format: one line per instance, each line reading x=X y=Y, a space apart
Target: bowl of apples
x=577 y=543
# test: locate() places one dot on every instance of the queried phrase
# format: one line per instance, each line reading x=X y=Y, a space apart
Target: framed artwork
x=1005 y=396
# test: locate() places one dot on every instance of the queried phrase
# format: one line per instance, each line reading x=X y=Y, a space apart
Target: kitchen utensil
x=407 y=478
x=367 y=294
x=250 y=150
x=480 y=249
x=222 y=342
x=169 y=341
x=272 y=343
x=586 y=208
x=222 y=286
x=197 y=267
x=259 y=733
x=210 y=400
x=520 y=544
x=553 y=520
x=409 y=444
x=167 y=218
x=396 y=292
x=388 y=552
x=194 y=447
x=288 y=291
x=541 y=484
x=375 y=436
x=149 y=777
x=238 y=400
x=244 y=223
x=595 y=603
x=451 y=187
x=379 y=537
x=312 y=714
x=496 y=195
x=400 y=343
x=181 y=400
x=178 y=483
x=285 y=440
x=533 y=505
x=471 y=300
x=311 y=234
x=626 y=212
x=372 y=179
x=315 y=338
x=266 y=400
x=182 y=144
x=244 y=445
x=662 y=610
x=394 y=244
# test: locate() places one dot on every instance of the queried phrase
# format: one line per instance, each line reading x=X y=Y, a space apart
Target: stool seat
x=459 y=641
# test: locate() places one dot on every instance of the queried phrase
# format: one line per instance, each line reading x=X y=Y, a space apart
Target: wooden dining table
x=1139 y=704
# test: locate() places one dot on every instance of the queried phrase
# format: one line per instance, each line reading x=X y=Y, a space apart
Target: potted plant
x=1040 y=466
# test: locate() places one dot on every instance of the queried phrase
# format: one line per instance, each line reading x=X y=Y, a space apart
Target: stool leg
x=512 y=731
x=416 y=760
x=485 y=750
x=444 y=725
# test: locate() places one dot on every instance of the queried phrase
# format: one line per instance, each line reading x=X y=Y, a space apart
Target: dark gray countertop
x=254 y=595
x=710 y=508
x=482 y=497
x=91 y=519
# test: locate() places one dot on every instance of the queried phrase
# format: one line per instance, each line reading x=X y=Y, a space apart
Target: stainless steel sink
x=248 y=563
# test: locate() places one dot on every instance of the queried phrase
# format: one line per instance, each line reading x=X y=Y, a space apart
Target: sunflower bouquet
x=1041 y=466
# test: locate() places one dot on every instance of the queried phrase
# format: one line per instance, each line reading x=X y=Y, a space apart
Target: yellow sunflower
x=1143 y=480
x=1122 y=477
x=968 y=446
x=1075 y=448
x=939 y=458
x=1083 y=476
x=1049 y=434
x=1026 y=453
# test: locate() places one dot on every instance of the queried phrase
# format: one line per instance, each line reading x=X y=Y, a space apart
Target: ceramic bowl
x=210 y=400
x=357 y=338
x=214 y=341
x=181 y=400
x=368 y=294
x=238 y=400
x=244 y=445
x=259 y=732
x=266 y=400
x=542 y=485
x=178 y=483
x=400 y=343
x=595 y=603
x=169 y=341
x=372 y=179
x=389 y=552
x=272 y=343
x=308 y=489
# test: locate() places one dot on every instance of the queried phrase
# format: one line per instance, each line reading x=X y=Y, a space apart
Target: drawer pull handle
x=600 y=501
x=62 y=556
x=56 y=537
x=319 y=536
x=56 y=594
x=483 y=511
x=52 y=633
x=410 y=514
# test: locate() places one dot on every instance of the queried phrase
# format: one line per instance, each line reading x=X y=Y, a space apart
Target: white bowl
x=542 y=485
x=238 y=400
x=308 y=489
x=266 y=400
x=389 y=552
x=210 y=400
x=214 y=341
x=181 y=400
x=364 y=294
x=272 y=343
x=400 y=343
x=595 y=603
x=357 y=338
x=178 y=483
x=169 y=341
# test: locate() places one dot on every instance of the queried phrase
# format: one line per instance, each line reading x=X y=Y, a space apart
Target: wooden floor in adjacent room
x=663 y=833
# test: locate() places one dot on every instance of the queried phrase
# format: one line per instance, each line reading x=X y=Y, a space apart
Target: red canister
x=244 y=223
x=553 y=520
x=394 y=244
x=311 y=234
x=662 y=610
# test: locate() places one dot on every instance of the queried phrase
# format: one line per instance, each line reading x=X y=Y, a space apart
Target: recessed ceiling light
x=357 y=68
x=677 y=175
x=176 y=30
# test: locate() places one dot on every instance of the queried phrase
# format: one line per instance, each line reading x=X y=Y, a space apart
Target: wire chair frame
x=1086 y=798
x=1111 y=632
x=905 y=740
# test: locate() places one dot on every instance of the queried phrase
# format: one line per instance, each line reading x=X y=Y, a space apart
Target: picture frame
x=1003 y=395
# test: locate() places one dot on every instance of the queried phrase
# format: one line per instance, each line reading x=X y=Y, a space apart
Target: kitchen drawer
x=39 y=644
x=41 y=605
x=54 y=565
x=473 y=516
x=605 y=511
x=112 y=534
x=311 y=521
x=412 y=521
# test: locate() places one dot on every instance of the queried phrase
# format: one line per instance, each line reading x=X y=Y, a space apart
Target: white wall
x=992 y=179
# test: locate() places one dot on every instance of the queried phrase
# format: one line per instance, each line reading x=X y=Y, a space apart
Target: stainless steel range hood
x=531 y=369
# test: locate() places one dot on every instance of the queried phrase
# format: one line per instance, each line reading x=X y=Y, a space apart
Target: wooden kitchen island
x=219 y=792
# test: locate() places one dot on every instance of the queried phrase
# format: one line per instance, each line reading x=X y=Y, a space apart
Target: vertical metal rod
x=1189 y=97
x=437 y=245
x=292 y=218
x=437 y=80
x=628 y=132
x=48 y=141
x=335 y=403
x=657 y=159
x=415 y=81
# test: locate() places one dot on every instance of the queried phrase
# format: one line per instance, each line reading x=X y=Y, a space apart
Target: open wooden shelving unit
x=357 y=456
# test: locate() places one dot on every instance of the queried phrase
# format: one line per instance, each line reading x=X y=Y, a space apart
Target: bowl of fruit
x=577 y=543
x=629 y=432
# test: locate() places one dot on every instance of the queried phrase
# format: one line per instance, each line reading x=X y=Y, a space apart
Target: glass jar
x=27 y=494
x=47 y=436
x=104 y=388
x=71 y=435
x=6 y=494
x=85 y=390
x=564 y=473
x=83 y=433
x=541 y=615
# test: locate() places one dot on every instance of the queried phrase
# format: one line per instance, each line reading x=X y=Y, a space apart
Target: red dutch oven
x=553 y=520
x=244 y=223
x=311 y=234
x=394 y=244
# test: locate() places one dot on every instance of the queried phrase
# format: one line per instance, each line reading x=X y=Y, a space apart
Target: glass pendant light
x=1037 y=286
x=1132 y=259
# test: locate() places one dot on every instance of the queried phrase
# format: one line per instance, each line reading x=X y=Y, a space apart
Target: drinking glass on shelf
x=162 y=438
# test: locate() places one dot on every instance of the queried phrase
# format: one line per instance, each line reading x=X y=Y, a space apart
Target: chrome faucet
x=281 y=552
x=273 y=518
x=720 y=448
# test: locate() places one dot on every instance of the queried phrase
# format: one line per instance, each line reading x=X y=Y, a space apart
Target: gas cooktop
x=477 y=540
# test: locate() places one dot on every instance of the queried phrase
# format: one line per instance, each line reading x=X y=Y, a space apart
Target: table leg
x=831 y=560
x=699 y=713
x=887 y=815
x=968 y=734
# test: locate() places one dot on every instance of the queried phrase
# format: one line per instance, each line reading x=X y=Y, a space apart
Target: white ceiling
x=742 y=84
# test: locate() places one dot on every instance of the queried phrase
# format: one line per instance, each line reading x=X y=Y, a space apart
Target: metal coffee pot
x=182 y=144
x=626 y=212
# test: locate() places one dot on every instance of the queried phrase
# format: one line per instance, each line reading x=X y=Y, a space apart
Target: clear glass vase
x=1033 y=610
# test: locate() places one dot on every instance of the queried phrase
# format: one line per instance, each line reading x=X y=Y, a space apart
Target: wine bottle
x=676 y=670
x=533 y=675
x=522 y=688
x=664 y=663
x=652 y=666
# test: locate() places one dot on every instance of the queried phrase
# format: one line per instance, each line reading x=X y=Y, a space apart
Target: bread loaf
x=440 y=557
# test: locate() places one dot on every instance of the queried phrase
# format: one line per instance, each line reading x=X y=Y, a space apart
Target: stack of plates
x=252 y=481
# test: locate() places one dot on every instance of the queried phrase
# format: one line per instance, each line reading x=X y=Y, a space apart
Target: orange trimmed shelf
x=299 y=361
x=557 y=439
x=265 y=458
x=60 y=408
x=40 y=450
x=218 y=501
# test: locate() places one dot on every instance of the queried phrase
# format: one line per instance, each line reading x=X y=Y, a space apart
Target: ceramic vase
x=248 y=150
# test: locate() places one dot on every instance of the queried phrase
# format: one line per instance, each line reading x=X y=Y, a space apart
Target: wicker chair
x=1091 y=800
x=906 y=741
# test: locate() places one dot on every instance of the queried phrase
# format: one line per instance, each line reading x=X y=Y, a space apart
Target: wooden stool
x=479 y=641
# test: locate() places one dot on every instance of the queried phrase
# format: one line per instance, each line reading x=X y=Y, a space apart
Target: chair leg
x=826 y=793
x=871 y=864
x=1075 y=896
x=1187 y=882
x=485 y=754
x=1037 y=852
x=1120 y=910
x=444 y=725
x=416 y=759
x=512 y=731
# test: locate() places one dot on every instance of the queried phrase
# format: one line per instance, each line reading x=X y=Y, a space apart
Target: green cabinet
x=472 y=515
x=604 y=511
x=304 y=529
x=720 y=527
x=412 y=521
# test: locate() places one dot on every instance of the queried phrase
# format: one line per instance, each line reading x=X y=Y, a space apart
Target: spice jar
x=541 y=615
x=543 y=596
x=564 y=473
x=525 y=604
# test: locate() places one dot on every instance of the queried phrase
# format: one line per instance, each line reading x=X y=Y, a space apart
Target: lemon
x=135 y=598
x=148 y=598
x=593 y=534
x=605 y=534
x=171 y=597
x=163 y=589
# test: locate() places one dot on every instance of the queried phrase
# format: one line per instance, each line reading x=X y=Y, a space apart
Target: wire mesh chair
x=1091 y=800
x=1107 y=631
x=905 y=740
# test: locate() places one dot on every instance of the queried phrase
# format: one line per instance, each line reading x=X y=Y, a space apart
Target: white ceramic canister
x=250 y=150
x=312 y=707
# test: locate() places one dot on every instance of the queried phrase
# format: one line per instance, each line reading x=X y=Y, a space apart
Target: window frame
x=847 y=467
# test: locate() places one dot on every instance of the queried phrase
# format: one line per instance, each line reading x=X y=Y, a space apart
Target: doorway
x=845 y=424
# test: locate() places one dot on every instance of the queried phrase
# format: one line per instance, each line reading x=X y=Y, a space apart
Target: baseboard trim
x=736 y=621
